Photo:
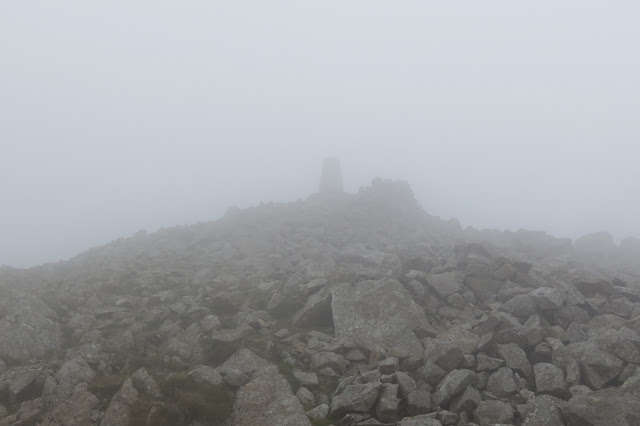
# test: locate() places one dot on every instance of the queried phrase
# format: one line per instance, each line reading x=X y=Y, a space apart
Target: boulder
x=446 y=284
x=605 y=407
x=28 y=327
x=549 y=379
x=267 y=400
x=451 y=385
x=493 y=412
x=372 y=312
x=355 y=399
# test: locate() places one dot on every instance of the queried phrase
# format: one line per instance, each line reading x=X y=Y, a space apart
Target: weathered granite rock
x=388 y=403
x=28 y=327
x=467 y=401
x=418 y=402
x=502 y=384
x=79 y=409
x=118 y=411
x=542 y=410
x=355 y=399
x=372 y=312
x=268 y=400
x=206 y=374
x=305 y=396
x=316 y=311
x=451 y=385
x=547 y=298
x=306 y=378
x=423 y=420
x=549 y=379
x=320 y=412
x=605 y=407
x=447 y=283
x=244 y=361
x=493 y=412
x=516 y=359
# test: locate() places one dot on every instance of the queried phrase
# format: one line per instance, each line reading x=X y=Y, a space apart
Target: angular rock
x=388 y=403
x=502 y=384
x=267 y=400
x=549 y=380
x=547 y=298
x=605 y=407
x=543 y=410
x=205 y=374
x=372 y=312
x=118 y=411
x=446 y=284
x=516 y=359
x=244 y=361
x=490 y=413
x=355 y=399
x=451 y=385
x=418 y=402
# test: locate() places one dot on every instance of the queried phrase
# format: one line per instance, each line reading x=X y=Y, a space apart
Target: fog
x=119 y=116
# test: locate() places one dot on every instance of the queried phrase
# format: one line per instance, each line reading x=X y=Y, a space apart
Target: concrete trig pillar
x=331 y=182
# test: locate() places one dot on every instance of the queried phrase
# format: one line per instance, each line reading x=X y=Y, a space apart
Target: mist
x=120 y=116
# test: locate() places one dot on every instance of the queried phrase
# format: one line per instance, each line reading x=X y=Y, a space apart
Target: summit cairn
x=331 y=181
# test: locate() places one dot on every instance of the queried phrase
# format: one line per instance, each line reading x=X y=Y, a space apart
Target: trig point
x=331 y=182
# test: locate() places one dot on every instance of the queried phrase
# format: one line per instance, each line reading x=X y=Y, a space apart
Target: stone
x=267 y=400
x=486 y=363
x=447 y=417
x=388 y=403
x=206 y=374
x=423 y=420
x=549 y=380
x=446 y=284
x=118 y=411
x=547 y=298
x=319 y=413
x=467 y=401
x=604 y=407
x=329 y=359
x=235 y=378
x=372 y=312
x=516 y=359
x=79 y=408
x=451 y=385
x=431 y=373
x=405 y=382
x=316 y=310
x=490 y=413
x=389 y=365
x=355 y=399
x=599 y=367
x=542 y=410
x=418 y=402
x=502 y=384
x=306 y=379
x=305 y=397
x=522 y=306
x=244 y=361
x=28 y=327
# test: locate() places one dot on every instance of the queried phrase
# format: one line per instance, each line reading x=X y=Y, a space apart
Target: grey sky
x=118 y=116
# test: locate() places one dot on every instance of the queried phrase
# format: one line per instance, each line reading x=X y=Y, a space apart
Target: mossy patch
x=193 y=401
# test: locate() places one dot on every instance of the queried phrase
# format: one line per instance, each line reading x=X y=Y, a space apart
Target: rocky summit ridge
x=342 y=309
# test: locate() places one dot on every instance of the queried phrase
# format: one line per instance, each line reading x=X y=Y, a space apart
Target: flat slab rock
x=372 y=312
x=267 y=400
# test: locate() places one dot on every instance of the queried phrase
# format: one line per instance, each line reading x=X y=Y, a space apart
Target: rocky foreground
x=337 y=310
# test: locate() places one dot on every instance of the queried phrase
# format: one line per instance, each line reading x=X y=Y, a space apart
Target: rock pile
x=352 y=310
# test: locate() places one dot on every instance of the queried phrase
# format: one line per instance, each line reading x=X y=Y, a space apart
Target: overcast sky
x=119 y=116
